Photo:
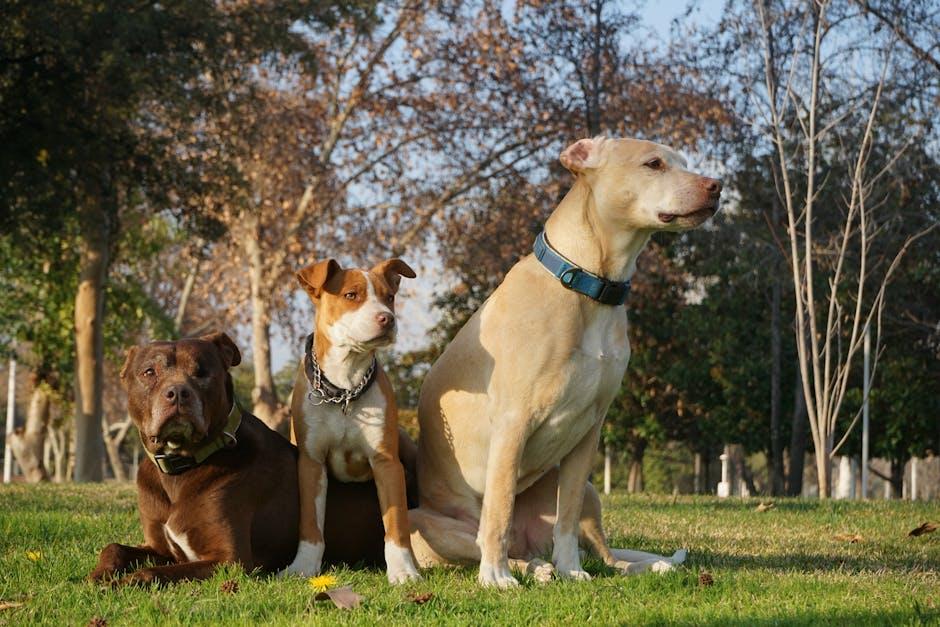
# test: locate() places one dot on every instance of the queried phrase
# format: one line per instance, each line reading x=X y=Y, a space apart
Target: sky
x=415 y=312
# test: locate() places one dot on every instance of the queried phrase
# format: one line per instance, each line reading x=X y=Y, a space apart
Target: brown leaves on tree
x=927 y=527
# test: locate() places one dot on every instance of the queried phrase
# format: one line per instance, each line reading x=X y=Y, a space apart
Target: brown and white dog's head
x=355 y=308
x=178 y=393
x=639 y=184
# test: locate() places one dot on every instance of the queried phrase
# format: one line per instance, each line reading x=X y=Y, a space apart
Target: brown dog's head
x=180 y=392
x=642 y=185
x=355 y=308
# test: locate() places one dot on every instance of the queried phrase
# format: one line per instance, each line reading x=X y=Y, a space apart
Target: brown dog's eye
x=390 y=299
x=655 y=164
x=350 y=295
x=149 y=372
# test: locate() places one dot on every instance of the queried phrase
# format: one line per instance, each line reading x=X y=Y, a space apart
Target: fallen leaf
x=763 y=507
x=851 y=538
x=927 y=527
x=705 y=579
x=421 y=599
x=97 y=621
x=34 y=556
x=9 y=605
x=229 y=586
x=343 y=598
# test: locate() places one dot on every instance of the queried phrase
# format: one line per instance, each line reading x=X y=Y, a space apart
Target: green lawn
x=778 y=566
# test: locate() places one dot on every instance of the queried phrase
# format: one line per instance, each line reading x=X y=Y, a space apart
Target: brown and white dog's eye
x=149 y=372
x=350 y=296
x=390 y=299
x=655 y=164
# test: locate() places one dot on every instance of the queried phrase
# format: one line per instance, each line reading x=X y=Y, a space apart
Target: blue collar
x=578 y=279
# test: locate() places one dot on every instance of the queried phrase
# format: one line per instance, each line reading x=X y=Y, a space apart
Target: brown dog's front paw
x=142 y=577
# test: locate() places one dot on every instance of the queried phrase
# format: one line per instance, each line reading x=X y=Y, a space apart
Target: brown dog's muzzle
x=177 y=416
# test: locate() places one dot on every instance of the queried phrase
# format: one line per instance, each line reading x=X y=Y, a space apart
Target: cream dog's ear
x=393 y=270
x=584 y=154
x=313 y=277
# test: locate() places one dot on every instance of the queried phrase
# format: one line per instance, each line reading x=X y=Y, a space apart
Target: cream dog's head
x=638 y=184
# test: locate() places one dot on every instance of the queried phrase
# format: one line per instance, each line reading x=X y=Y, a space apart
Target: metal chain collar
x=325 y=392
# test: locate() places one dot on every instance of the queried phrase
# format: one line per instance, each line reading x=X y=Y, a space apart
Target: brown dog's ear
x=125 y=369
x=313 y=277
x=393 y=270
x=584 y=154
x=231 y=356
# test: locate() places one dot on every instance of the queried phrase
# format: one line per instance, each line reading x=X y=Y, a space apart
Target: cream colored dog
x=511 y=412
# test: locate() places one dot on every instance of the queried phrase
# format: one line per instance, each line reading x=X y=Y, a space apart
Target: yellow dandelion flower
x=322 y=583
x=34 y=556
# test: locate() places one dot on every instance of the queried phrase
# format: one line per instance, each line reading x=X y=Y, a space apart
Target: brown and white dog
x=511 y=412
x=343 y=411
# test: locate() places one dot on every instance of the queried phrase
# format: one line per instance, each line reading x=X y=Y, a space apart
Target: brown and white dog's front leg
x=502 y=473
x=573 y=474
x=390 y=485
x=312 y=484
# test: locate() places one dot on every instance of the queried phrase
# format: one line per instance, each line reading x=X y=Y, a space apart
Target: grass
x=782 y=566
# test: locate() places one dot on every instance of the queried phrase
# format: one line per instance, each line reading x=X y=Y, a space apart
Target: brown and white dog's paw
x=307 y=562
x=399 y=564
x=541 y=571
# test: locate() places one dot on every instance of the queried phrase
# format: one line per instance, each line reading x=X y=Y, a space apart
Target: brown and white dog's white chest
x=346 y=441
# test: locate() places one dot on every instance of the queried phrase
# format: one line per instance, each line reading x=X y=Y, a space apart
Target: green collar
x=171 y=464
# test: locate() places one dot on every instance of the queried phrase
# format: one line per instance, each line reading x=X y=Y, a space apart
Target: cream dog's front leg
x=502 y=471
x=573 y=473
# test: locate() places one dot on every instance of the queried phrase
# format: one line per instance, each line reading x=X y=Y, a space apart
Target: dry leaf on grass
x=97 y=621
x=9 y=605
x=763 y=507
x=229 y=586
x=705 y=579
x=851 y=538
x=343 y=598
x=927 y=527
x=421 y=599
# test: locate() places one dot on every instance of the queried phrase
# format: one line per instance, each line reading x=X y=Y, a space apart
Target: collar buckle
x=173 y=464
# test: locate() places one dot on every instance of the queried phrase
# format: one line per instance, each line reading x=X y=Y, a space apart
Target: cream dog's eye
x=350 y=295
x=655 y=164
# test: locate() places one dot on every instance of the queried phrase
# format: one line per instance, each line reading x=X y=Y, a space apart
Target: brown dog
x=219 y=486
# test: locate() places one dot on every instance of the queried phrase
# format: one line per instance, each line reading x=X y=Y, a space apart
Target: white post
x=845 y=486
x=724 y=487
x=607 y=455
x=866 y=383
x=11 y=413
x=913 y=478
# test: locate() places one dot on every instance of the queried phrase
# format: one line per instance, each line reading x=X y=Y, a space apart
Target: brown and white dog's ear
x=393 y=270
x=231 y=356
x=128 y=362
x=584 y=154
x=313 y=277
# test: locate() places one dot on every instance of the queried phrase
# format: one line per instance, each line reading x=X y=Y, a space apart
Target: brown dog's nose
x=385 y=319
x=175 y=393
x=713 y=186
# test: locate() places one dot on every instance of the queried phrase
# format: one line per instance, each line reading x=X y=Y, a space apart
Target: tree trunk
x=263 y=395
x=635 y=478
x=697 y=467
x=797 y=441
x=113 y=444
x=89 y=342
x=58 y=437
x=897 y=478
x=776 y=449
x=824 y=471
x=28 y=442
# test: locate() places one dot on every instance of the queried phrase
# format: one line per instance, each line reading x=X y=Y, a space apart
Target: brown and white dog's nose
x=177 y=393
x=385 y=319
x=713 y=187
